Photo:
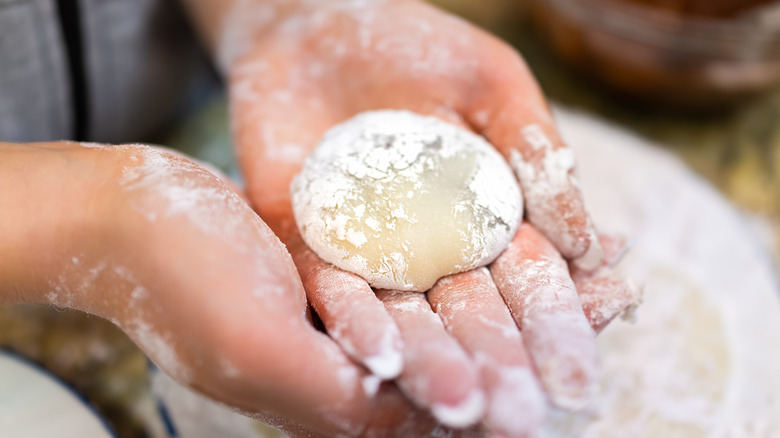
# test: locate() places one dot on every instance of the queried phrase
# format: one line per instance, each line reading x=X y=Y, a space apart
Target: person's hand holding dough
x=176 y=258
x=295 y=69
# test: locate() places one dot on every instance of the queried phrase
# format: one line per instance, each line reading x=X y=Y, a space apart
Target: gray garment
x=34 y=84
x=140 y=63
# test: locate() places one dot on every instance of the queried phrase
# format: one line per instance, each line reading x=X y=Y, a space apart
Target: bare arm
x=171 y=254
x=45 y=222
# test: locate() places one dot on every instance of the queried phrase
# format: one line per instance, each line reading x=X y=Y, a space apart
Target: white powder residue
x=389 y=361
x=464 y=414
x=545 y=304
x=535 y=136
x=508 y=331
x=564 y=355
x=74 y=282
x=402 y=199
x=286 y=152
x=159 y=348
x=516 y=405
x=702 y=358
x=545 y=184
x=551 y=178
x=401 y=302
x=247 y=19
x=238 y=28
x=78 y=286
x=170 y=186
x=227 y=368
x=371 y=385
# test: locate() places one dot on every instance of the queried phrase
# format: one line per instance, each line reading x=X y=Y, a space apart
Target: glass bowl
x=665 y=55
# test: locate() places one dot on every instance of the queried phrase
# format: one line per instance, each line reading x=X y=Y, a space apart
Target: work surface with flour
x=702 y=358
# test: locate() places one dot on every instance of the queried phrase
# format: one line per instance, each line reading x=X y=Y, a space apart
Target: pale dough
x=403 y=200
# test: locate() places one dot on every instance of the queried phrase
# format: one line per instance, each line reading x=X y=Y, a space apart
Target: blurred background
x=700 y=78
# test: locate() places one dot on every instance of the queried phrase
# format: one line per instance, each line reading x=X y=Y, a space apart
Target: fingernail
x=371 y=385
x=572 y=385
x=592 y=257
x=463 y=414
x=516 y=406
x=636 y=293
x=568 y=367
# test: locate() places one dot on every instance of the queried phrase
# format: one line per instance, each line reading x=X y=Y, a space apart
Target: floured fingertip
x=636 y=294
x=464 y=414
x=517 y=406
x=568 y=396
x=563 y=347
x=387 y=365
x=593 y=257
x=371 y=385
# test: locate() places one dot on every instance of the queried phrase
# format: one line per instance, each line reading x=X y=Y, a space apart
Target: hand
x=174 y=256
x=478 y=351
x=327 y=61
x=322 y=65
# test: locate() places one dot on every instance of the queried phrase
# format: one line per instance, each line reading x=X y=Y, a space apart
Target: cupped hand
x=330 y=60
x=176 y=258
x=477 y=345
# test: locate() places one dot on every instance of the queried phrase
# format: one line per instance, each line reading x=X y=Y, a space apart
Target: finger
x=438 y=374
x=513 y=115
x=282 y=367
x=210 y=294
x=351 y=313
x=604 y=296
x=233 y=185
x=393 y=416
x=613 y=249
x=535 y=283
x=475 y=314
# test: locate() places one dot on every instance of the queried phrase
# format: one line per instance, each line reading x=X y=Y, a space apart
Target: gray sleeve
x=139 y=61
x=142 y=60
x=35 y=101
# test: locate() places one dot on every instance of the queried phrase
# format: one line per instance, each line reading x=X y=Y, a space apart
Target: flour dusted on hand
x=403 y=200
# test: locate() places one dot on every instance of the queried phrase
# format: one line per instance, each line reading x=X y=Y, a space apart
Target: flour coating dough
x=403 y=200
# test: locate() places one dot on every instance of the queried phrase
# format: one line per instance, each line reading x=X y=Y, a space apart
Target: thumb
x=512 y=114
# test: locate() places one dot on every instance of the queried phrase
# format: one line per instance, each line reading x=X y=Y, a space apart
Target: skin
x=210 y=293
x=91 y=228
x=315 y=64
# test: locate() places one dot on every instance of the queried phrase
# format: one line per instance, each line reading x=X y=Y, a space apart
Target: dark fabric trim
x=70 y=21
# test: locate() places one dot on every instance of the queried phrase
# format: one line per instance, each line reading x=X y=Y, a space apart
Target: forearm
x=47 y=212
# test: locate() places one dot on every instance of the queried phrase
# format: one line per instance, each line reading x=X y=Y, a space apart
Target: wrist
x=50 y=203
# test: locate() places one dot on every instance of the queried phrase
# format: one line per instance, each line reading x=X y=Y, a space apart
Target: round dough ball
x=403 y=200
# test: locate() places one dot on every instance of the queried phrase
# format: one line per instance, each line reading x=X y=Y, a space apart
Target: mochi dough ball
x=403 y=200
